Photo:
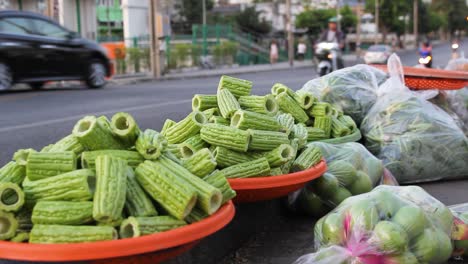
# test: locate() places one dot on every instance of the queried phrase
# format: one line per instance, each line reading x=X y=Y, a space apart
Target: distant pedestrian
x=273 y=52
x=301 y=50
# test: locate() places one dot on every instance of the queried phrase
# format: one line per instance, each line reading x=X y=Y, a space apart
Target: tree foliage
x=454 y=12
x=192 y=10
x=316 y=20
x=249 y=20
x=390 y=14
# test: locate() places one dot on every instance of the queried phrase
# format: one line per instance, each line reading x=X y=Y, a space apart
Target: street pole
x=338 y=22
x=415 y=21
x=376 y=21
x=358 y=29
x=290 y=33
x=204 y=12
x=155 y=66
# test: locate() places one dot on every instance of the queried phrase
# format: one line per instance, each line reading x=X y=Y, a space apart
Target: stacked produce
x=108 y=176
x=352 y=90
x=352 y=170
x=397 y=225
x=416 y=140
x=460 y=233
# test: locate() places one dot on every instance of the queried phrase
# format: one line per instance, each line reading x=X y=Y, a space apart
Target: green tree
x=429 y=19
x=390 y=13
x=348 y=18
x=314 y=20
x=452 y=11
x=249 y=19
x=191 y=12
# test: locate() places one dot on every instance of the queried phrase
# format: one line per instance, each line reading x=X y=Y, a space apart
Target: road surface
x=38 y=118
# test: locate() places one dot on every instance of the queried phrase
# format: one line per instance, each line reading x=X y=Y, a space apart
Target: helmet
x=333 y=20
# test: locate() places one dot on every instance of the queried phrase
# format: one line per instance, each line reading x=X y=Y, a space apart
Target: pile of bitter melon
x=109 y=175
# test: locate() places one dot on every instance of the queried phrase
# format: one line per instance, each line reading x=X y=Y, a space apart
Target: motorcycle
x=455 y=47
x=425 y=59
x=327 y=54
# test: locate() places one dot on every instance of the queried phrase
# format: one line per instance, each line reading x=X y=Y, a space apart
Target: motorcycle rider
x=425 y=51
x=332 y=34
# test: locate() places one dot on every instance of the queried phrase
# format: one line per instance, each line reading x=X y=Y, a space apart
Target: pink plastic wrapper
x=389 y=225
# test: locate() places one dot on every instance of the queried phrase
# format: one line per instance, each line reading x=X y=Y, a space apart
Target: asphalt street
x=34 y=119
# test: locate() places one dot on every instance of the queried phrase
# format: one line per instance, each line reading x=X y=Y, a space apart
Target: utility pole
x=155 y=66
x=338 y=20
x=376 y=40
x=415 y=21
x=289 y=26
x=358 y=29
x=204 y=12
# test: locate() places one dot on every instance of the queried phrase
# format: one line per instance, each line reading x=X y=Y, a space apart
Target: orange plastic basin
x=271 y=187
x=424 y=78
x=160 y=246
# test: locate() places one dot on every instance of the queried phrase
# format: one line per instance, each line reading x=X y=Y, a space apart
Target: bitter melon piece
x=339 y=129
x=243 y=119
x=192 y=145
x=68 y=143
x=167 y=124
x=150 y=144
x=202 y=102
x=259 y=104
x=227 y=103
x=11 y=197
x=238 y=87
x=219 y=120
x=186 y=128
x=125 y=128
x=94 y=136
x=258 y=167
x=309 y=157
x=111 y=188
x=288 y=105
x=285 y=168
x=225 y=136
x=12 y=172
x=218 y=180
x=20 y=237
x=300 y=132
x=314 y=133
x=137 y=202
x=9 y=225
x=324 y=123
x=266 y=140
x=141 y=226
x=305 y=99
x=348 y=121
x=225 y=157
x=280 y=155
x=62 y=213
x=64 y=234
x=201 y=163
x=21 y=156
x=133 y=158
x=196 y=215
x=42 y=165
x=320 y=109
x=211 y=112
x=286 y=120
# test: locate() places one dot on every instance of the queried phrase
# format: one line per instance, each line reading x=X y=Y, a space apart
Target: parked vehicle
x=377 y=54
x=36 y=50
x=327 y=54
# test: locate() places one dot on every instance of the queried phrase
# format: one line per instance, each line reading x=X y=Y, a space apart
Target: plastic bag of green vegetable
x=389 y=225
x=352 y=170
x=352 y=89
x=416 y=140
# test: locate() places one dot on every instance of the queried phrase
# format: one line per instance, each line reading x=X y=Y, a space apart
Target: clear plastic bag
x=460 y=231
x=353 y=89
x=352 y=170
x=454 y=104
x=389 y=225
x=416 y=140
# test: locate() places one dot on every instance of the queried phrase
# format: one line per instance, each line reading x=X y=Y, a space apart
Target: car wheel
x=6 y=79
x=323 y=71
x=96 y=75
x=36 y=85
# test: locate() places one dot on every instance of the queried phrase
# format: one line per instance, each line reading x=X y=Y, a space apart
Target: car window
x=16 y=25
x=47 y=29
x=377 y=48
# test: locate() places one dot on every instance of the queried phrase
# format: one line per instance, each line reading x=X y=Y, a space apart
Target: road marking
x=76 y=117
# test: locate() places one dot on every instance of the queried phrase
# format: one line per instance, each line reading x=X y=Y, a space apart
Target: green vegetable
x=64 y=234
x=338 y=129
x=348 y=121
x=309 y=157
x=411 y=219
x=94 y=136
x=280 y=155
x=211 y=112
x=326 y=185
x=150 y=144
x=266 y=140
x=425 y=246
x=8 y=224
x=219 y=120
x=23 y=217
x=125 y=128
x=169 y=190
x=389 y=237
x=209 y=198
x=224 y=136
x=201 y=163
x=20 y=237
x=339 y=196
x=238 y=87
x=305 y=99
x=21 y=156
x=218 y=180
x=301 y=133
x=259 y=104
x=104 y=122
x=111 y=188
x=12 y=172
x=276 y=171
x=225 y=157
x=133 y=158
x=288 y=105
x=245 y=119
x=320 y=109
x=11 y=197
x=202 y=102
x=62 y=213
x=364 y=215
x=227 y=103
x=279 y=88
x=343 y=171
x=167 y=124
x=195 y=216
x=285 y=168
x=186 y=128
x=286 y=120
x=137 y=202
x=192 y=145
x=324 y=123
x=43 y=165
x=141 y=226
x=68 y=143
x=174 y=149
x=314 y=133
x=333 y=229
x=258 y=167
x=361 y=184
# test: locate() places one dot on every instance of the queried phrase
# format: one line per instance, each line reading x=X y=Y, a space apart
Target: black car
x=35 y=50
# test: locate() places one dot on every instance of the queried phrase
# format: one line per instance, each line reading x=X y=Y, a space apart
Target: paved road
x=37 y=118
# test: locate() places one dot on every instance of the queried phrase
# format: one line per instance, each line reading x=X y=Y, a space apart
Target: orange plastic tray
x=271 y=187
x=161 y=246
x=425 y=79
